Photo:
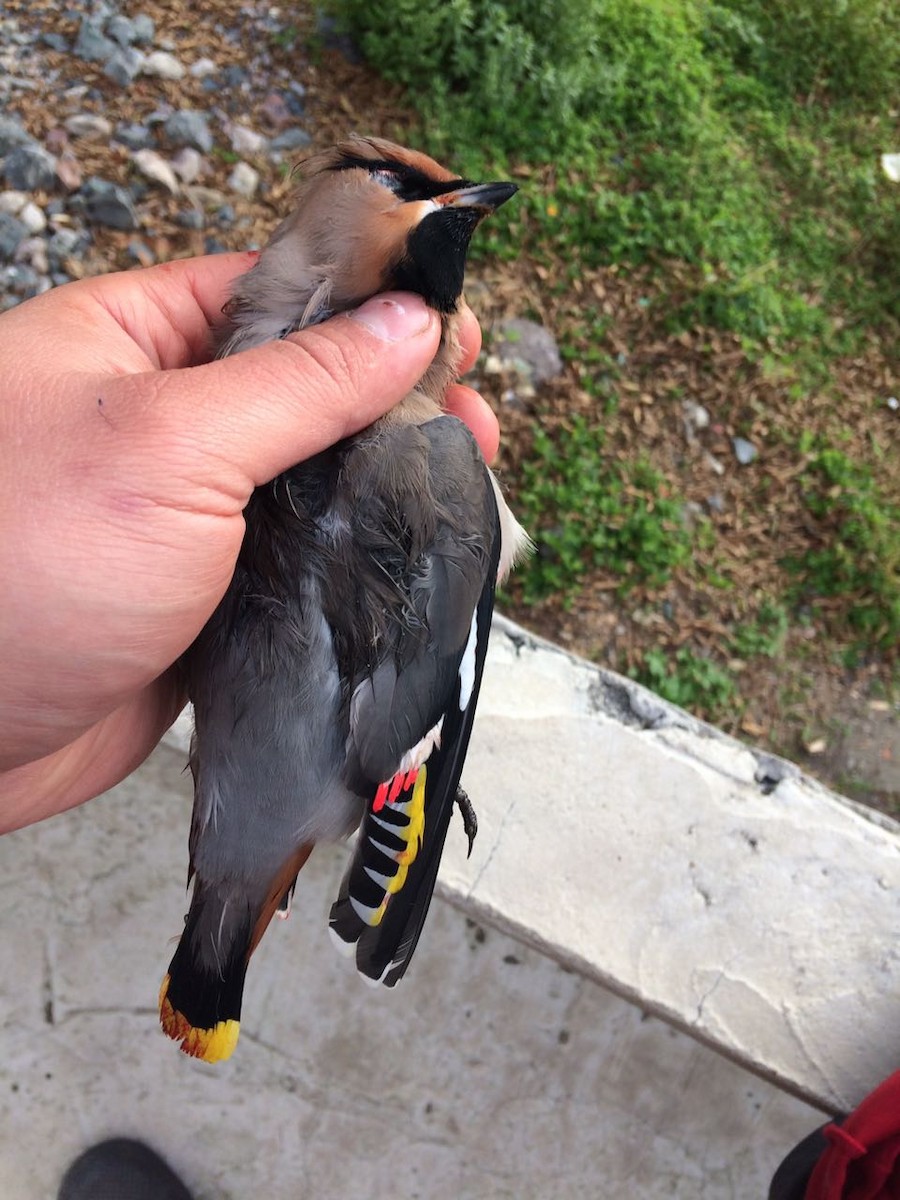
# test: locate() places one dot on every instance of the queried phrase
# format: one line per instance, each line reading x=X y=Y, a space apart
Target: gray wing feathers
x=405 y=696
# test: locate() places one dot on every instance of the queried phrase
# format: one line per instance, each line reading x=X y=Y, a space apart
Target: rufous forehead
x=380 y=148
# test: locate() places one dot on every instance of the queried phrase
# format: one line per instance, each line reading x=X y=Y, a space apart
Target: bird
x=335 y=685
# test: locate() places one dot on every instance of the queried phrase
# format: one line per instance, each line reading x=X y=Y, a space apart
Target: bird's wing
x=411 y=715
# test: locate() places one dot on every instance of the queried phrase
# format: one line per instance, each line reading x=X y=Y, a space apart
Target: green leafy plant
x=764 y=635
x=856 y=559
x=588 y=511
x=688 y=680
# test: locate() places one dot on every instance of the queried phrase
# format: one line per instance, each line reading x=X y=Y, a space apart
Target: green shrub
x=800 y=48
x=719 y=134
x=586 y=511
x=765 y=634
x=857 y=558
x=688 y=680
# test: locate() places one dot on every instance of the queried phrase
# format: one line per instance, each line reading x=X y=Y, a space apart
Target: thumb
x=264 y=410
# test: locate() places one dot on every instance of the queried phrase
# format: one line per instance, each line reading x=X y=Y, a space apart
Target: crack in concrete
x=48 y=990
x=493 y=850
x=701 y=1003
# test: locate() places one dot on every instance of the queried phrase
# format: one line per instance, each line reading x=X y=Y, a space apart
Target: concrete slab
x=714 y=886
x=492 y=1072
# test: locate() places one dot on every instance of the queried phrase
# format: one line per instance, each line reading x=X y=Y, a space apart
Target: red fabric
x=862 y=1161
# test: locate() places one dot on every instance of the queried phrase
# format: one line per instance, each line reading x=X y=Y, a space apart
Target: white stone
x=203 y=67
x=890 y=164
x=13 y=202
x=33 y=217
x=163 y=65
x=34 y=251
x=188 y=164
x=155 y=168
x=244 y=180
x=87 y=125
x=246 y=141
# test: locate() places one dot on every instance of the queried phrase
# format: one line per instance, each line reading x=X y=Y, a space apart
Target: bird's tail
x=200 y=997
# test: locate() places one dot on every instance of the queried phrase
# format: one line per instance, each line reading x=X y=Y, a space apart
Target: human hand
x=129 y=460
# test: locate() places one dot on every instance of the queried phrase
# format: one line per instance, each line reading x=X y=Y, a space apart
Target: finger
x=466 y=404
x=264 y=410
x=169 y=309
x=469 y=338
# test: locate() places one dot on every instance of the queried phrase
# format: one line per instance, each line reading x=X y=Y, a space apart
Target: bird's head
x=370 y=216
x=392 y=218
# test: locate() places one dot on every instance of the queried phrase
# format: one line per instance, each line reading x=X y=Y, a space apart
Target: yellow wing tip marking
x=210 y=1045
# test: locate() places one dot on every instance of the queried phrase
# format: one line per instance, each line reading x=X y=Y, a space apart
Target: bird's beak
x=484 y=196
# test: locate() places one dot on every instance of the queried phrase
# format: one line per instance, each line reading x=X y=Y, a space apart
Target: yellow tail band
x=210 y=1045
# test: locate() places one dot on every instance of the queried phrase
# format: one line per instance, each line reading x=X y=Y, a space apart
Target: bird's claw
x=470 y=821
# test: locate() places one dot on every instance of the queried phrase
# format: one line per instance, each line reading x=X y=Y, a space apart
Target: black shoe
x=121 y=1169
x=793 y=1175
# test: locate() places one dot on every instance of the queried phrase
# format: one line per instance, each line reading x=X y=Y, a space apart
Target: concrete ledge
x=717 y=888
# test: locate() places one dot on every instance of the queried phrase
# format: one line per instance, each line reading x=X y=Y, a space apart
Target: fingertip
x=465 y=403
x=469 y=332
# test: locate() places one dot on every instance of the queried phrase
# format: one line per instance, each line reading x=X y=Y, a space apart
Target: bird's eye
x=390 y=179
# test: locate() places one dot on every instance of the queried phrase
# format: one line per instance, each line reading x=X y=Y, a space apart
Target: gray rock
x=202 y=67
x=246 y=141
x=527 y=343
x=212 y=245
x=121 y=29
x=696 y=417
x=291 y=139
x=144 y=29
x=134 y=136
x=108 y=204
x=124 y=66
x=745 y=452
x=12 y=234
x=233 y=76
x=191 y=219
x=188 y=164
x=34 y=252
x=190 y=128
x=82 y=125
x=244 y=180
x=66 y=243
x=226 y=216
x=22 y=280
x=12 y=134
x=55 y=41
x=716 y=503
x=29 y=168
x=92 y=45
x=163 y=65
x=295 y=104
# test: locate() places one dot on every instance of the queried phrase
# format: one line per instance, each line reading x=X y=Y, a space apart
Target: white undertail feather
x=515 y=544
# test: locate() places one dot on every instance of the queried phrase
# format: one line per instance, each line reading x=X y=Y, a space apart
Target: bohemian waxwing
x=336 y=681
